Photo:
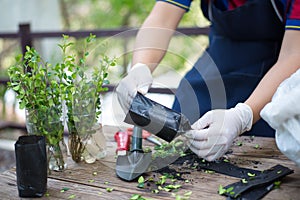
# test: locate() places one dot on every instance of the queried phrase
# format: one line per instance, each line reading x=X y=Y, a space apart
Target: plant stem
x=76 y=147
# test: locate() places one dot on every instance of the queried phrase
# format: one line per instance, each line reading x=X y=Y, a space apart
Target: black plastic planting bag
x=31 y=165
x=156 y=118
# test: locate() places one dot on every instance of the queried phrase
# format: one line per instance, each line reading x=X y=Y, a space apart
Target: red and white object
x=123 y=142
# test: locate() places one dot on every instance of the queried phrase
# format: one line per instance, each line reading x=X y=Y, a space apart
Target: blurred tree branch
x=65 y=14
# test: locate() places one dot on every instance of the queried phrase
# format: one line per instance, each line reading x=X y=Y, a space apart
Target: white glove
x=214 y=133
x=139 y=79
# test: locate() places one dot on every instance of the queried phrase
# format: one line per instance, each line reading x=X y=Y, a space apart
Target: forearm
x=153 y=38
x=288 y=62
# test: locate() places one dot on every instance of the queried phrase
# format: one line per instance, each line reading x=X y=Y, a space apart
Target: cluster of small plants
x=43 y=89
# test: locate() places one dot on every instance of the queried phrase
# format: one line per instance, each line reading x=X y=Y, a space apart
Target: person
x=255 y=45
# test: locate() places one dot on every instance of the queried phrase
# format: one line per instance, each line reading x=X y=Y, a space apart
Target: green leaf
x=64 y=190
x=225 y=191
x=239 y=143
x=209 y=171
x=82 y=61
x=244 y=181
x=188 y=193
x=16 y=88
x=135 y=197
x=72 y=196
x=65 y=37
x=113 y=64
x=141 y=179
x=22 y=105
x=173 y=186
x=229 y=190
x=222 y=190
x=27 y=48
x=155 y=191
x=141 y=182
x=250 y=174
x=277 y=184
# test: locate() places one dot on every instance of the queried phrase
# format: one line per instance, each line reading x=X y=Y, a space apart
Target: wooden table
x=92 y=181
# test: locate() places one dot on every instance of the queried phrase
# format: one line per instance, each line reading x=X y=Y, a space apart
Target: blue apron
x=244 y=44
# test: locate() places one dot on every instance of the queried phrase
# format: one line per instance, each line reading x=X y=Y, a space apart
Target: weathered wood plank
x=54 y=190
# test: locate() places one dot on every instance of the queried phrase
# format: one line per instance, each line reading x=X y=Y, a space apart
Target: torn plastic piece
x=264 y=179
x=227 y=168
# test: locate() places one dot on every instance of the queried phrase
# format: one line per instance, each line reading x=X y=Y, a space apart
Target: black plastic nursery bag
x=156 y=118
x=31 y=165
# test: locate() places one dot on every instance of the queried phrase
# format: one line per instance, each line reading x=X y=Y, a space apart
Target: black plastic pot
x=31 y=166
x=164 y=122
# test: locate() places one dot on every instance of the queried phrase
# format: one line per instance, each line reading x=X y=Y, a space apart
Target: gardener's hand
x=138 y=79
x=213 y=134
